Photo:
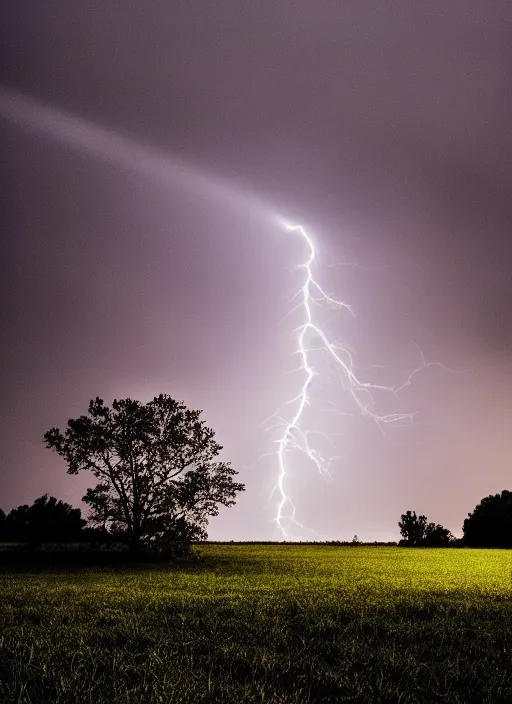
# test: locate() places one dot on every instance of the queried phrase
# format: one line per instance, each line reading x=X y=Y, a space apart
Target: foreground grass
x=283 y=624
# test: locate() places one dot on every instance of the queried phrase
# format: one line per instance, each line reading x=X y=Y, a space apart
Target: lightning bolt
x=121 y=151
x=293 y=437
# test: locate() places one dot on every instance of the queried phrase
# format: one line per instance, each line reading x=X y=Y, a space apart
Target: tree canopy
x=416 y=531
x=47 y=520
x=412 y=528
x=158 y=478
x=437 y=536
x=490 y=524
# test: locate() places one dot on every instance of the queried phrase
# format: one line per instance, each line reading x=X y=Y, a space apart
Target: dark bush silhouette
x=47 y=520
x=490 y=524
x=417 y=532
x=436 y=536
x=158 y=481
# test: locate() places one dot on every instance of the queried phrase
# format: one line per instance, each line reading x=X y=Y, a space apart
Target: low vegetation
x=254 y=623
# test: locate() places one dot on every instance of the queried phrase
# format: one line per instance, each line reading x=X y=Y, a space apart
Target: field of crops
x=256 y=623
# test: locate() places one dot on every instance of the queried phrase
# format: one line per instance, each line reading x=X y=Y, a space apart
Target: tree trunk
x=135 y=543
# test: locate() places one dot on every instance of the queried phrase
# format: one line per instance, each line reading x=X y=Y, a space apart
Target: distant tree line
x=488 y=526
x=49 y=520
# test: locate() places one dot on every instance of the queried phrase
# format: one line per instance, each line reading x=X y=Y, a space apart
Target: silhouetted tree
x=436 y=536
x=16 y=524
x=158 y=481
x=412 y=528
x=490 y=524
x=2 y=525
x=417 y=532
x=47 y=520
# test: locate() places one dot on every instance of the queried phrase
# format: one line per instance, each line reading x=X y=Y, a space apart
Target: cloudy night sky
x=147 y=150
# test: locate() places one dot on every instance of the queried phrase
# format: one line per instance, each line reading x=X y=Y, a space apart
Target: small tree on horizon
x=437 y=536
x=158 y=481
x=412 y=528
x=416 y=531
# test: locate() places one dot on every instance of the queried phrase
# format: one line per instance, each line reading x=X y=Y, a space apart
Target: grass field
x=257 y=623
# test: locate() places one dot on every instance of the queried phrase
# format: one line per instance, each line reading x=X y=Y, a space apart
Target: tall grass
x=271 y=623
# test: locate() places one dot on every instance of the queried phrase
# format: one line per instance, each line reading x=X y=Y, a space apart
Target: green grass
x=256 y=623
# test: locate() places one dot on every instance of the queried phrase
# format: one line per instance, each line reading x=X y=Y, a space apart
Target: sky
x=147 y=152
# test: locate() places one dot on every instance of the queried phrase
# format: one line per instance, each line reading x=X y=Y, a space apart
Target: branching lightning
x=293 y=436
x=116 y=149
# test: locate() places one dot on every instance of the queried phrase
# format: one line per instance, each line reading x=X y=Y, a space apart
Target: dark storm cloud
x=384 y=125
